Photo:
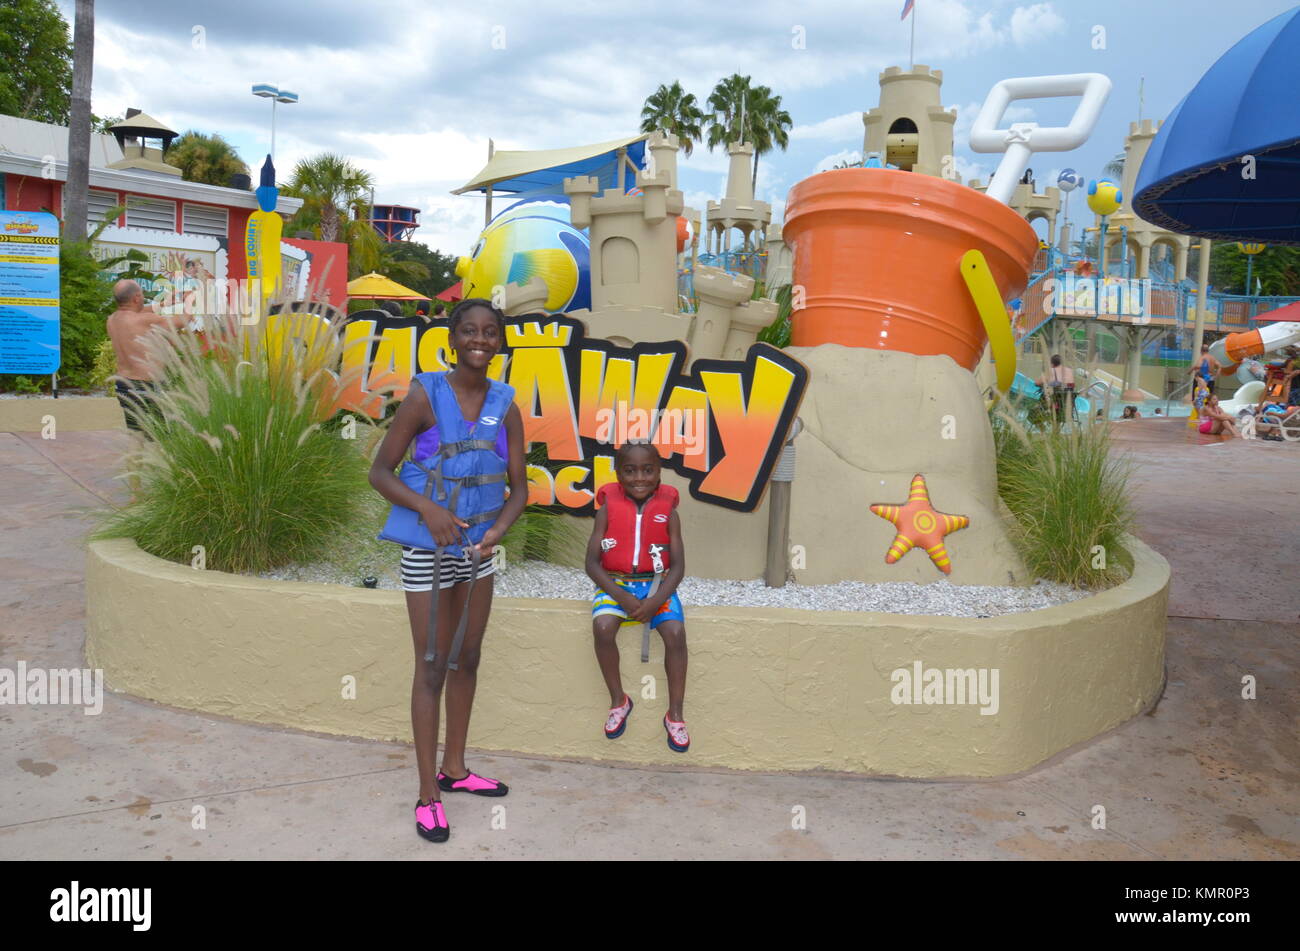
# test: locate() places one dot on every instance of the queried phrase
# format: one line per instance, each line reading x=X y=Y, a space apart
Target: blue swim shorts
x=602 y=603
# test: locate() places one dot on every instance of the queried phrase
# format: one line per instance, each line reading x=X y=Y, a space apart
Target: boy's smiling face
x=638 y=473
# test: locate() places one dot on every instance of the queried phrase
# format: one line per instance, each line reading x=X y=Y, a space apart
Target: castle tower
x=1143 y=236
x=910 y=128
x=633 y=237
x=738 y=209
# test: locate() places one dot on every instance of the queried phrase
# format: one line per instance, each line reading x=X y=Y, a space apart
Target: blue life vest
x=464 y=475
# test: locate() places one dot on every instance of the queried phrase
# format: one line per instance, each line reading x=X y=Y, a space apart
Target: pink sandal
x=679 y=741
x=616 y=723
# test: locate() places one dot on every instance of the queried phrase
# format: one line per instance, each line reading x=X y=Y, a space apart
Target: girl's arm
x=596 y=571
x=673 y=576
x=517 y=473
x=413 y=417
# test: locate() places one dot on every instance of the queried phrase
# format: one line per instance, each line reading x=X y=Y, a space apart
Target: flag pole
x=911 y=53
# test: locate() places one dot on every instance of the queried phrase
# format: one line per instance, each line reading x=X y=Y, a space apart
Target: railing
x=1176 y=394
x=1046 y=298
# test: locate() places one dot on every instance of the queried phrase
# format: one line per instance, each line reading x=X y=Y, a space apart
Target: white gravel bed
x=539 y=580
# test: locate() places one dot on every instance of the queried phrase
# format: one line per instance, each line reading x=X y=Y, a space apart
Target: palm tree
x=83 y=64
x=743 y=113
x=673 y=110
x=728 y=104
x=209 y=159
x=329 y=185
x=769 y=125
x=1115 y=167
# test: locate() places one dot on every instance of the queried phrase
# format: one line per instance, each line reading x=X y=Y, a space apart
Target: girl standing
x=466 y=435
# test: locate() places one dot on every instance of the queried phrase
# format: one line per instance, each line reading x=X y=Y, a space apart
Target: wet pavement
x=1205 y=774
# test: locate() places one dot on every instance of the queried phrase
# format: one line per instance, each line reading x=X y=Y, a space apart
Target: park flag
x=907 y=8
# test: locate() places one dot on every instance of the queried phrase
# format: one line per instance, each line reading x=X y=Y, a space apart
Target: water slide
x=1234 y=350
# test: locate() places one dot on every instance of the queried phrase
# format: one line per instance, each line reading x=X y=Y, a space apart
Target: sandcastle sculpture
x=634 y=265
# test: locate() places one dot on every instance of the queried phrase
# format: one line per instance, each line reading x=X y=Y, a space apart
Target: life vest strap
x=449 y=449
x=458 y=638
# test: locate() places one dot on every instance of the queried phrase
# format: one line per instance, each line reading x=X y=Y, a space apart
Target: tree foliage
x=330 y=186
x=1276 y=269
x=208 y=159
x=35 y=61
x=673 y=110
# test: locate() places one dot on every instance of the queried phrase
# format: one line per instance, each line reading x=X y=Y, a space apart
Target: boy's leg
x=674 y=635
x=605 y=630
x=462 y=683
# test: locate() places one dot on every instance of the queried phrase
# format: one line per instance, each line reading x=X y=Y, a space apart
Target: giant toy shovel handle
x=1023 y=139
x=1018 y=143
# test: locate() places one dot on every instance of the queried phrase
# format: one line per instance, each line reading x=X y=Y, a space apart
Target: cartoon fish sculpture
x=532 y=238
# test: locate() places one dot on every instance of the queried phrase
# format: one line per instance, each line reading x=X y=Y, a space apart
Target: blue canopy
x=1197 y=176
x=544 y=171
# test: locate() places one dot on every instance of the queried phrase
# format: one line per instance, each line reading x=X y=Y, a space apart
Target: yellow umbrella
x=381 y=288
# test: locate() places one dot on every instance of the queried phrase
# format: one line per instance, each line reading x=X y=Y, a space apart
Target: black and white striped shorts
x=417 y=569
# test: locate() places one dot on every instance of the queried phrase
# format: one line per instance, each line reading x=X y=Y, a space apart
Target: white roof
x=27 y=148
x=39 y=139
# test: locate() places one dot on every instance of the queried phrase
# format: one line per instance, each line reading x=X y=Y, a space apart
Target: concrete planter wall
x=71 y=414
x=768 y=689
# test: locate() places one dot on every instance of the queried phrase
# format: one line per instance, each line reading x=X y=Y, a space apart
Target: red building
x=184 y=227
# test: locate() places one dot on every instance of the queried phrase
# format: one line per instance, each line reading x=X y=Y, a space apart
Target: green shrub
x=105 y=365
x=543 y=534
x=778 y=333
x=1068 y=496
x=240 y=461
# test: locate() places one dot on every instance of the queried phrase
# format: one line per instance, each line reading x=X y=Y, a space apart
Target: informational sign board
x=29 y=292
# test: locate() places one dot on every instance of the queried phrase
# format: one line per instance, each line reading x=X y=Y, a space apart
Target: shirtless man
x=127 y=327
x=1058 y=387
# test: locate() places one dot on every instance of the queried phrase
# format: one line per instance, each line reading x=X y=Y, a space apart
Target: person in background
x=1206 y=368
x=1157 y=411
x=1215 y=421
x=438 y=310
x=1200 y=393
x=1130 y=412
x=128 y=329
x=1058 y=387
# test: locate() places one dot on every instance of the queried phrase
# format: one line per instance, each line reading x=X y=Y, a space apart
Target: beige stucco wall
x=874 y=419
x=71 y=414
x=768 y=689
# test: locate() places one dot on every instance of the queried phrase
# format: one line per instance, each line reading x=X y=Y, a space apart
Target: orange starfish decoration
x=920 y=523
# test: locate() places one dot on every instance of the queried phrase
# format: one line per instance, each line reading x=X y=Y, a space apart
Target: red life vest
x=633 y=538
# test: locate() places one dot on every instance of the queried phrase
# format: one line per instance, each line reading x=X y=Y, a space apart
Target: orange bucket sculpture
x=878 y=255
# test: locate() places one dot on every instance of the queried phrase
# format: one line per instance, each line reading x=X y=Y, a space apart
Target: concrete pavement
x=1205 y=774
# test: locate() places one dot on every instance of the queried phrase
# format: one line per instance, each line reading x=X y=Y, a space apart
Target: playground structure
x=394 y=222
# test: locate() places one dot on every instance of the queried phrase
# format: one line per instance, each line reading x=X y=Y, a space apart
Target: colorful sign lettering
x=721 y=426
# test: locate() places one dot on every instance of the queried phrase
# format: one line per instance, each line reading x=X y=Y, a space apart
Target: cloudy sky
x=412 y=91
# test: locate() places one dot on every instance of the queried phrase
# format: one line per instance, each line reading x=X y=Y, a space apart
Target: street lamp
x=267 y=91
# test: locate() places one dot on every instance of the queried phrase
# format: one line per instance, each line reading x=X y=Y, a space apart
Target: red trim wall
x=30 y=193
x=336 y=254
